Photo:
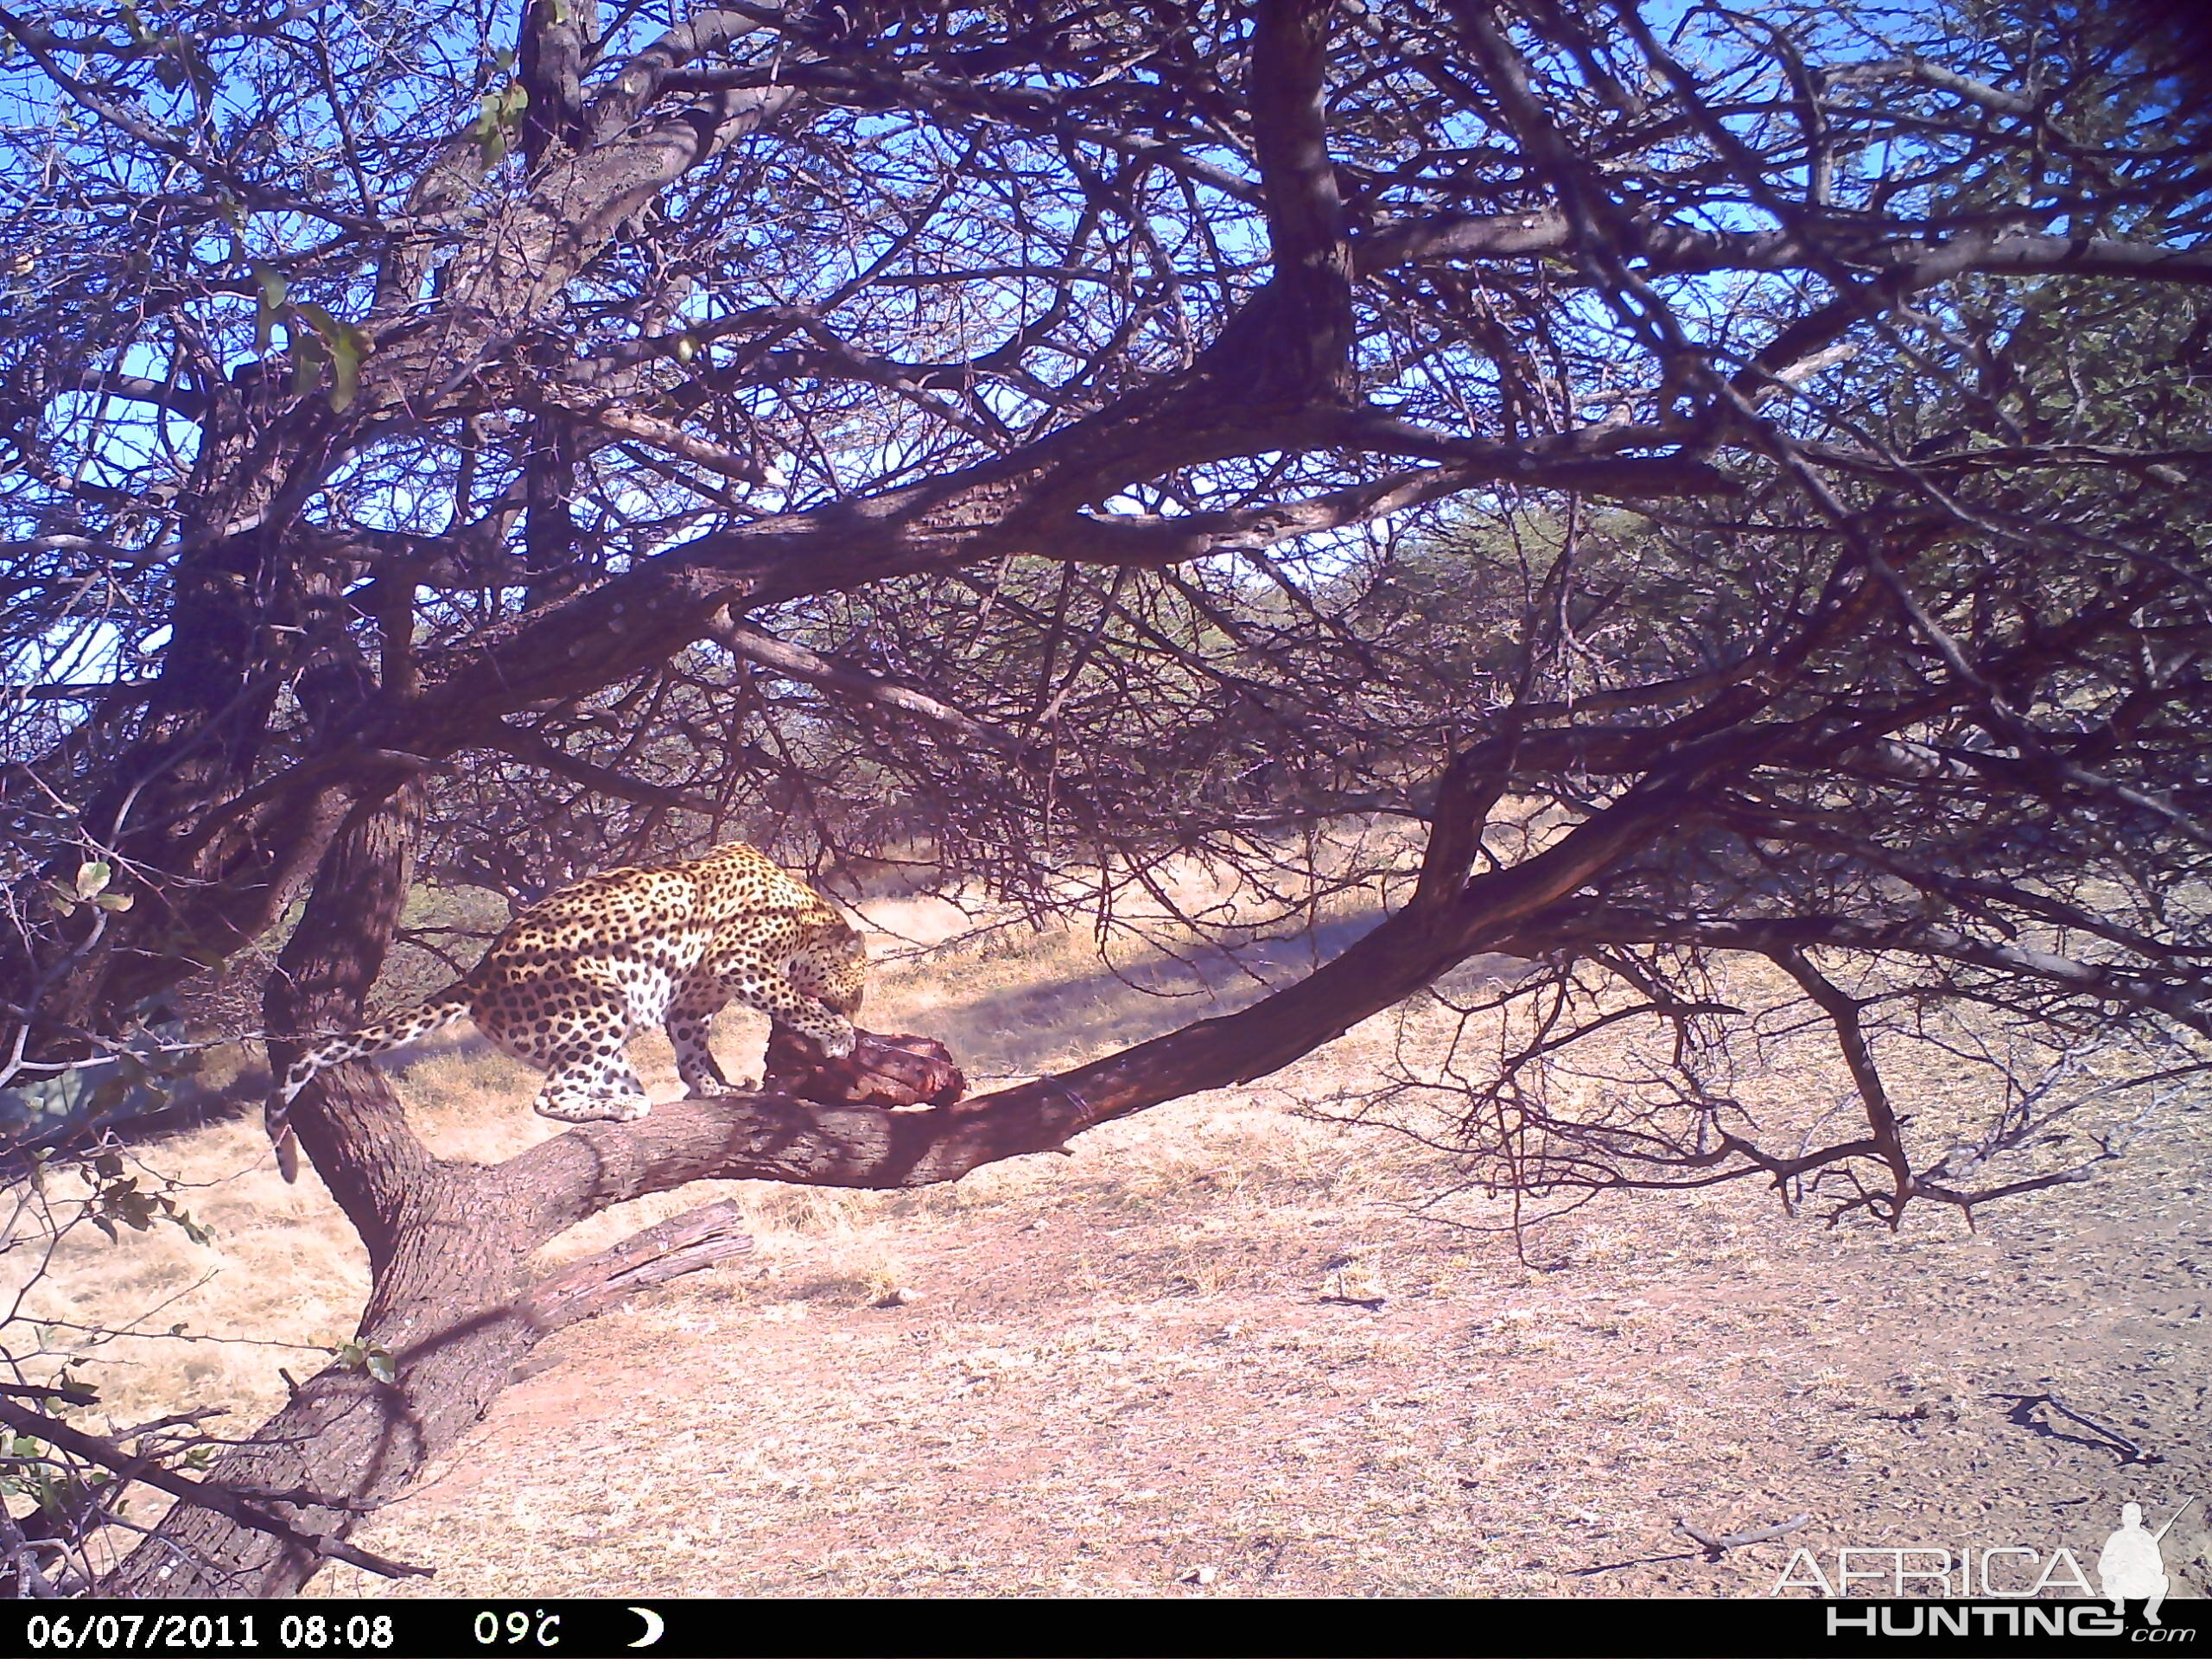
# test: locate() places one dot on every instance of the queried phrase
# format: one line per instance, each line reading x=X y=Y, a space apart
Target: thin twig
x=1719 y=1544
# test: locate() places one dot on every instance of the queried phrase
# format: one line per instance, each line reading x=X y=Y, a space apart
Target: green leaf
x=344 y=368
x=274 y=289
x=346 y=346
x=93 y=877
x=192 y=1230
x=125 y=1203
x=309 y=357
x=490 y=134
x=115 y=901
x=496 y=114
x=370 y=1357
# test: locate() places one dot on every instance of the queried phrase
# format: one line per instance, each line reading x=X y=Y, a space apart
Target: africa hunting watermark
x=2130 y=1567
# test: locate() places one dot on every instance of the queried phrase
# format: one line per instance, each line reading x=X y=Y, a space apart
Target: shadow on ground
x=1035 y=1026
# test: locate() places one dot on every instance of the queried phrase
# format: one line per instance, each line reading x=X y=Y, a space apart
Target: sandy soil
x=1113 y=1381
x=1219 y=1350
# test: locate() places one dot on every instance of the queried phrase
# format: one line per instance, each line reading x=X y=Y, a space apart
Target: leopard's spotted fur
x=574 y=976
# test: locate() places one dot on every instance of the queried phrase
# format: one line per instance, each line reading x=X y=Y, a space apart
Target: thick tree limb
x=685 y=1243
x=1673 y=249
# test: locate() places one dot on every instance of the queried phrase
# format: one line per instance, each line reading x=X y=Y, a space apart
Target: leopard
x=565 y=985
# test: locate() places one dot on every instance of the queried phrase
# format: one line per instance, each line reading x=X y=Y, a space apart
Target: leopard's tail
x=440 y=1011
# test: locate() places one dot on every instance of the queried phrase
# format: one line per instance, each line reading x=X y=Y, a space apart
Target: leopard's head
x=833 y=966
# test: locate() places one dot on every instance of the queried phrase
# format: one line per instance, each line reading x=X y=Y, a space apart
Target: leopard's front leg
x=690 y=1031
x=770 y=994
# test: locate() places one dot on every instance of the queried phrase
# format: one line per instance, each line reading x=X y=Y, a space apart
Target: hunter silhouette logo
x=2130 y=1568
x=2131 y=1564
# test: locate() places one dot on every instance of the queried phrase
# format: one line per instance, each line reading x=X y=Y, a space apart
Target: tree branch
x=800 y=664
x=202 y=1494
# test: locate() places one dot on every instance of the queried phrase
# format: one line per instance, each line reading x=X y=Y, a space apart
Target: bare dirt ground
x=1150 y=1369
x=1218 y=1351
x=1111 y=1383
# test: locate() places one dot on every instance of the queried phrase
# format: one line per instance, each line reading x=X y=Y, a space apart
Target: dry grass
x=1160 y=1356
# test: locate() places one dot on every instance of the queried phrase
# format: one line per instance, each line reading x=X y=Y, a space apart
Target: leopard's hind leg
x=591 y=1090
x=587 y=1080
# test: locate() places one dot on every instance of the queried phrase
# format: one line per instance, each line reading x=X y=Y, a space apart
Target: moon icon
x=655 y=1627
